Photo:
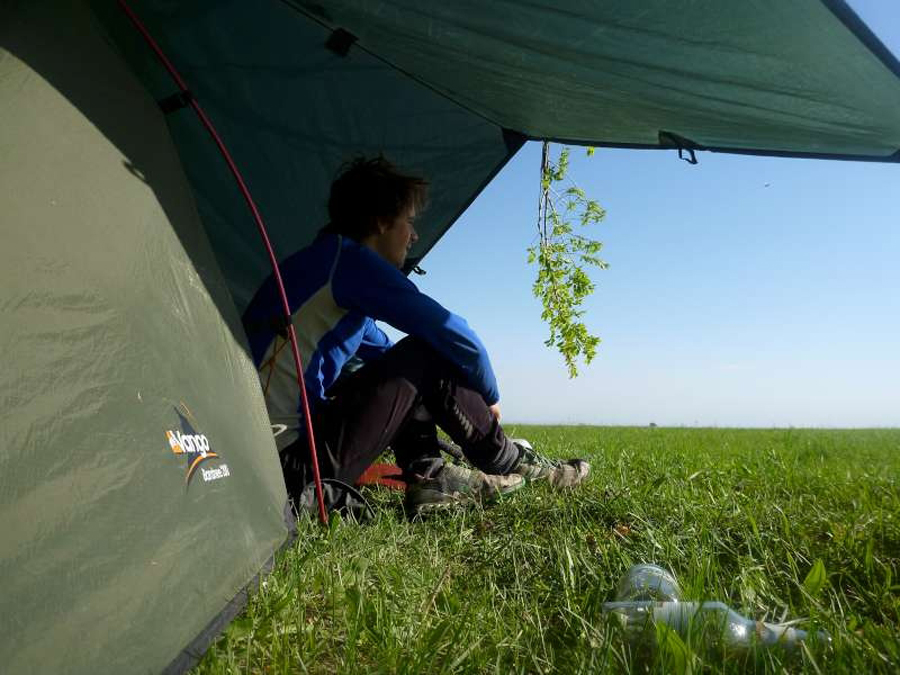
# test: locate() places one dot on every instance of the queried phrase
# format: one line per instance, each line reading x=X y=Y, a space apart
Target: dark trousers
x=399 y=400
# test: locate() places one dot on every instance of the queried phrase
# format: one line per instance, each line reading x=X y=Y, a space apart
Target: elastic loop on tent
x=667 y=139
x=692 y=159
x=262 y=232
x=176 y=101
x=340 y=41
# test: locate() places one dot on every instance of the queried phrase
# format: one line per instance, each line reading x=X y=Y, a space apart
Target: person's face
x=396 y=237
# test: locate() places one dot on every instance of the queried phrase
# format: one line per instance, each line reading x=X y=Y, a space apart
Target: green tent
x=140 y=490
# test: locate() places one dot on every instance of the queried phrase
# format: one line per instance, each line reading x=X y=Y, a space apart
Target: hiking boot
x=454 y=485
x=558 y=472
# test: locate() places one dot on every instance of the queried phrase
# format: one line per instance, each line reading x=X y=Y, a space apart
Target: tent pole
x=260 y=225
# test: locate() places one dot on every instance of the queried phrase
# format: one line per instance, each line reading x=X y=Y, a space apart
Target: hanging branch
x=562 y=256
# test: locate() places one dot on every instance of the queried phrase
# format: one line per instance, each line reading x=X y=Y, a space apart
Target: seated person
x=440 y=375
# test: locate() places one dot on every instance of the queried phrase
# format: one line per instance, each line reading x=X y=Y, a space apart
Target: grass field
x=779 y=524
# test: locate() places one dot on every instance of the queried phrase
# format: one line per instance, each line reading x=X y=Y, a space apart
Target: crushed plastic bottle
x=648 y=596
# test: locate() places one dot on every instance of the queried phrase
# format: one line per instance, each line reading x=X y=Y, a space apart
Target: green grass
x=742 y=516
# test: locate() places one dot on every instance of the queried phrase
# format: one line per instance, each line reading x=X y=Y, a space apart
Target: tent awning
x=805 y=76
x=451 y=90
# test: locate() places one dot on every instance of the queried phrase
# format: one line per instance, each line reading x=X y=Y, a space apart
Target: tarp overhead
x=766 y=75
x=450 y=89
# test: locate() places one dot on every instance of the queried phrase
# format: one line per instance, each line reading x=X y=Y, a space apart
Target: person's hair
x=369 y=191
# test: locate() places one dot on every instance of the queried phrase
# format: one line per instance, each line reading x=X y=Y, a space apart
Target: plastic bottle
x=648 y=582
x=648 y=595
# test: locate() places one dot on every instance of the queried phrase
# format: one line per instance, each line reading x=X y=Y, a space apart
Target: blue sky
x=741 y=292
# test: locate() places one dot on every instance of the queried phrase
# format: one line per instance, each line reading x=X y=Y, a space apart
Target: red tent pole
x=260 y=225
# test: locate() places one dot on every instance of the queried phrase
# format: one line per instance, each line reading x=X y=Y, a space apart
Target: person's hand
x=495 y=411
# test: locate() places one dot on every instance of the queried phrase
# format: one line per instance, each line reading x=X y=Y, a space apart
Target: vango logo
x=195 y=447
x=188 y=444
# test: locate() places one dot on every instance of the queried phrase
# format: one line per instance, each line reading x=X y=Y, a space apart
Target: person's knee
x=414 y=346
x=417 y=355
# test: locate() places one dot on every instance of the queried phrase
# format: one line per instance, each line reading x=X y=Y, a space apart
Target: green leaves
x=561 y=256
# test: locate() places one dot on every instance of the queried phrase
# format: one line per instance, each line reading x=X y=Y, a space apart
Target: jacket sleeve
x=366 y=283
x=374 y=342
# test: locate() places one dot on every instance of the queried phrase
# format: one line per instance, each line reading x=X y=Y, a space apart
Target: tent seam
x=358 y=44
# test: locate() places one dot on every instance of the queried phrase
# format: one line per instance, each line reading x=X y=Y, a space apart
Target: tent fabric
x=124 y=363
x=451 y=90
x=767 y=75
x=291 y=113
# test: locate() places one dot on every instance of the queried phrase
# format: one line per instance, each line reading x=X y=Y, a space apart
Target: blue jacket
x=337 y=288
